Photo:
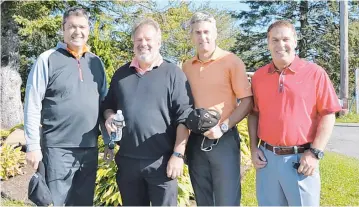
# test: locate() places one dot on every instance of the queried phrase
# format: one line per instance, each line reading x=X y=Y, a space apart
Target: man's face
x=204 y=36
x=76 y=31
x=281 y=44
x=146 y=43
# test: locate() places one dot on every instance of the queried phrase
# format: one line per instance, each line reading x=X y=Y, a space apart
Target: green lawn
x=340 y=182
x=349 y=118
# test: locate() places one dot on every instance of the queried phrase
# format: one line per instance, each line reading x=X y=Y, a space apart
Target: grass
x=339 y=178
x=349 y=118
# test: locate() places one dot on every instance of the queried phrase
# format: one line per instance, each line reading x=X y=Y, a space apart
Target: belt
x=284 y=150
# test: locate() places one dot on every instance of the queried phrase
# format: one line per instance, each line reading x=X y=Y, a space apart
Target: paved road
x=345 y=139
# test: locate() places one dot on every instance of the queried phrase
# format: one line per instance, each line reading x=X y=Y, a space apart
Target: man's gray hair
x=202 y=16
x=146 y=21
x=74 y=11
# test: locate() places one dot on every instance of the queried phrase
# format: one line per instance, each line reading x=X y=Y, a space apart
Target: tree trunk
x=302 y=43
x=10 y=98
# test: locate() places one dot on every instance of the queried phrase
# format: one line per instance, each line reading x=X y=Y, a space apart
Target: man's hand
x=258 y=158
x=108 y=154
x=175 y=167
x=33 y=158
x=308 y=163
x=109 y=124
x=214 y=133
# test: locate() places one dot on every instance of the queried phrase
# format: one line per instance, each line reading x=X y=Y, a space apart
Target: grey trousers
x=71 y=175
x=215 y=175
x=279 y=184
x=144 y=182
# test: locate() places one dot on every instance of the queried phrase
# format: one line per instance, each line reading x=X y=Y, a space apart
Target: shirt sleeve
x=109 y=101
x=181 y=98
x=103 y=93
x=239 y=80
x=36 y=85
x=327 y=99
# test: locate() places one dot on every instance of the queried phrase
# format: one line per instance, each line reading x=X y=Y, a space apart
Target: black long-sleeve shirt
x=153 y=105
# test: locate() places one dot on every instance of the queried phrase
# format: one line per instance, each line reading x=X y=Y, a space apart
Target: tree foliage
x=317 y=24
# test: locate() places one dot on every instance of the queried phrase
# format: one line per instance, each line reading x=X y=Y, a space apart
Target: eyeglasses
x=209 y=148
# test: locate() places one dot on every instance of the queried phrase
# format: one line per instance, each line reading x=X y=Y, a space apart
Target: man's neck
x=204 y=56
x=77 y=50
x=145 y=65
x=280 y=65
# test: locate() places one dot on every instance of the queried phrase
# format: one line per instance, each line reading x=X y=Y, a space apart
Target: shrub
x=245 y=151
x=5 y=133
x=12 y=160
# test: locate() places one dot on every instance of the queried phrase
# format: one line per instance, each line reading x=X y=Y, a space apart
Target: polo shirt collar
x=64 y=46
x=294 y=66
x=135 y=64
x=217 y=53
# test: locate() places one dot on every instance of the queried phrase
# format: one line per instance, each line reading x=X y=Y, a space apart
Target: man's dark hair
x=74 y=11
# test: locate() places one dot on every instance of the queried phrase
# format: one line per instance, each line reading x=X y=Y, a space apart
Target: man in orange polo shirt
x=293 y=116
x=217 y=79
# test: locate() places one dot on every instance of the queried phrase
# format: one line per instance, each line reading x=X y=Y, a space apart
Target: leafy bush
x=106 y=191
x=185 y=191
x=5 y=133
x=12 y=160
x=245 y=151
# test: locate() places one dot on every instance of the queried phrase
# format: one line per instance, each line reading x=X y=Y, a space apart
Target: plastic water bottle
x=119 y=122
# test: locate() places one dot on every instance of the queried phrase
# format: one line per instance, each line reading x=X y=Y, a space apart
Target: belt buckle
x=295 y=148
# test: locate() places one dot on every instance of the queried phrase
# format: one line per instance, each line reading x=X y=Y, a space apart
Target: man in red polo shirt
x=293 y=116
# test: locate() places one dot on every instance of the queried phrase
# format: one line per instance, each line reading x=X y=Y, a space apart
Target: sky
x=231 y=5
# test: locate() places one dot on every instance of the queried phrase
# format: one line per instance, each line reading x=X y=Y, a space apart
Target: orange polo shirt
x=217 y=83
x=291 y=103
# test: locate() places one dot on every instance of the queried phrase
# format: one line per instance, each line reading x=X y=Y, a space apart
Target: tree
x=10 y=98
x=317 y=24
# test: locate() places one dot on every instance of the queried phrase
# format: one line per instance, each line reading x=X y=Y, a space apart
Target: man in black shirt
x=155 y=99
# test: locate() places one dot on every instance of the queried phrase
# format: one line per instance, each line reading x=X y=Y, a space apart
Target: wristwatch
x=224 y=128
x=319 y=154
x=177 y=154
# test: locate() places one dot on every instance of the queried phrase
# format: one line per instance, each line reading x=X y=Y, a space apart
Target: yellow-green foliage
x=12 y=160
x=6 y=133
x=245 y=151
x=106 y=191
x=185 y=190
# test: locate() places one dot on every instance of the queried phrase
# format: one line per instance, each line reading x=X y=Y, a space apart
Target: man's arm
x=242 y=89
x=182 y=103
x=35 y=92
x=324 y=131
x=107 y=114
x=258 y=158
x=327 y=104
x=241 y=111
x=103 y=93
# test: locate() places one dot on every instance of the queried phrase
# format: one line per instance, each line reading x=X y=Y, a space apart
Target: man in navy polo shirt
x=154 y=97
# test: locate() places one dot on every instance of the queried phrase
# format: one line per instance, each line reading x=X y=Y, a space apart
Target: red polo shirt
x=290 y=103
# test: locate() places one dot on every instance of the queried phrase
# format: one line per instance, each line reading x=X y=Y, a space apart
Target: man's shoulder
x=124 y=67
x=45 y=55
x=187 y=63
x=92 y=55
x=168 y=64
x=261 y=71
